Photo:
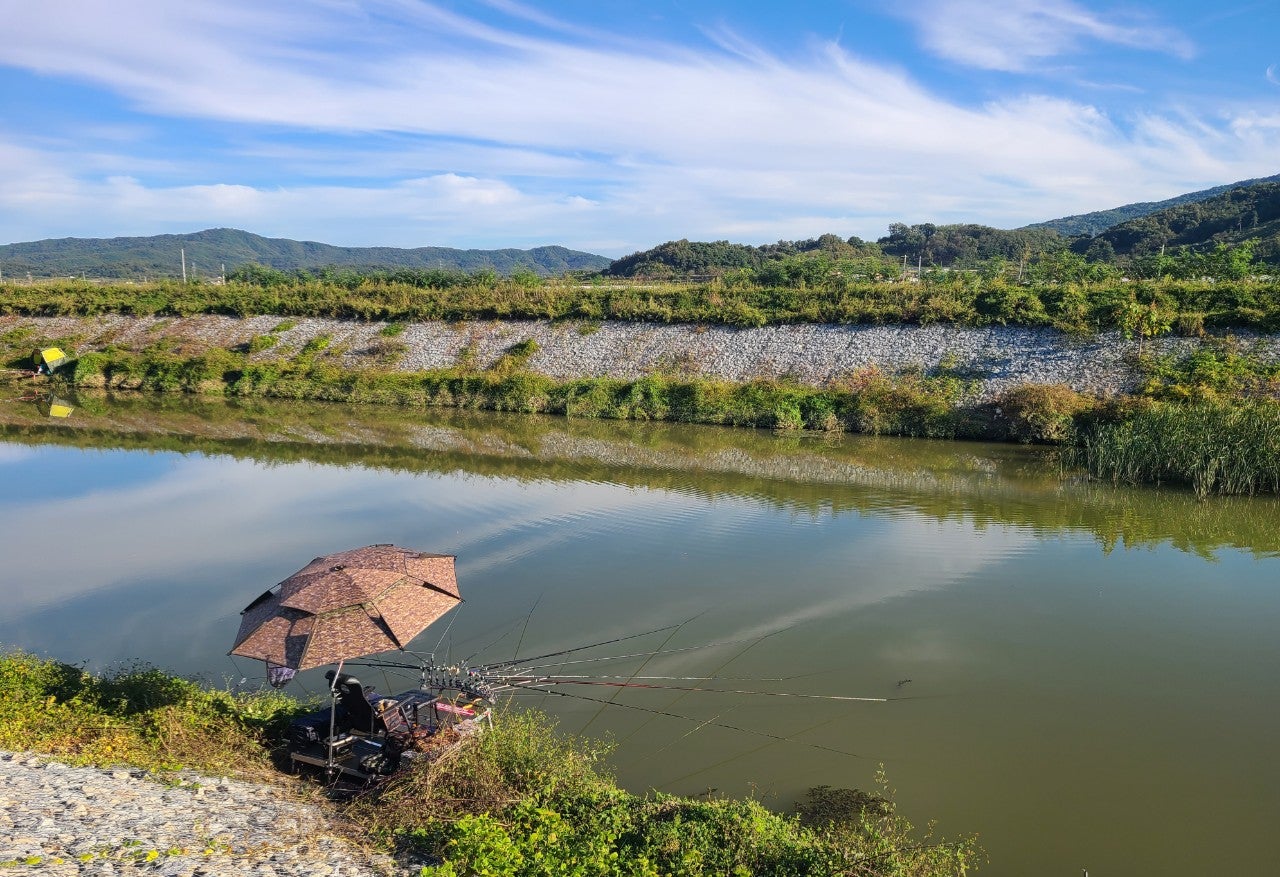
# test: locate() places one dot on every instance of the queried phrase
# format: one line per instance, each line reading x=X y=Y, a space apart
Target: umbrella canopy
x=346 y=605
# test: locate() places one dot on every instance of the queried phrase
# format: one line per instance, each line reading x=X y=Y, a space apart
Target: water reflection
x=1088 y=665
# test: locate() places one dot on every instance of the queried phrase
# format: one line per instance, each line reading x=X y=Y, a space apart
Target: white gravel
x=815 y=354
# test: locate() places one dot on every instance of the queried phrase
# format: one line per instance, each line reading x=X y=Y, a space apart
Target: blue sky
x=611 y=126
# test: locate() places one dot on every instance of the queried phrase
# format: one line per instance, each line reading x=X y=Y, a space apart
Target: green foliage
x=260 y=343
x=1044 y=413
x=391 y=330
x=270 y=261
x=1226 y=447
x=1218 y=368
x=137 y=716
x=315 y=345
x=800 y=288
x=911 y=404
x=520 y=800
x=1209 y=237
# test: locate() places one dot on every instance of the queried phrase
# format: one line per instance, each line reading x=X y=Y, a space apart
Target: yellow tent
x=49 y=359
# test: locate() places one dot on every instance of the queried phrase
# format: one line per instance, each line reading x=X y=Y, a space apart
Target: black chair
x=360 y=717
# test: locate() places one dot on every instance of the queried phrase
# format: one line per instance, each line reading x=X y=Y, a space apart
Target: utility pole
x=183 y=251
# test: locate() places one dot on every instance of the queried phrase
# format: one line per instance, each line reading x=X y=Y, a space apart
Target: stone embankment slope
x=814 y=354
x=58 y=820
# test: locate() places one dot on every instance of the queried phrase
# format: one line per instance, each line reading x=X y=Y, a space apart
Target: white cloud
x=500 y=138
x=1014 y=34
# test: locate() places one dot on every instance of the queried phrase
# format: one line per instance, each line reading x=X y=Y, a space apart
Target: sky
x=611 y=126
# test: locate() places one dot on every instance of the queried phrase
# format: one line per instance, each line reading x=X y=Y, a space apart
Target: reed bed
x=1215 y=447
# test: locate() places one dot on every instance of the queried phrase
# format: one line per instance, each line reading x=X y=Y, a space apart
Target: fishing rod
x=753 y=731
x=538 y=682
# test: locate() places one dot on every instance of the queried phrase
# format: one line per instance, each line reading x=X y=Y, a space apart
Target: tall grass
x=870 y=401
x=137 y=716
x=1223 y=447
x=1191 y=306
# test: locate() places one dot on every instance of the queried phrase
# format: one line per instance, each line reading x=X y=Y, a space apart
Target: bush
x=1043 y=413
x=138 y=716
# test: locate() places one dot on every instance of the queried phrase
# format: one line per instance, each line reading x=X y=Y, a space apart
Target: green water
x=1091 y=668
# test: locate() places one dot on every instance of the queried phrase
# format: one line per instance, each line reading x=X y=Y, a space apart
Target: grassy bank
x=1139 y=308
x=1221 y=403
x=519 y=800
x=138 y=716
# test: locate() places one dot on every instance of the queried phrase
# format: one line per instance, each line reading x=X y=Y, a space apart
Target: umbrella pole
x=333 y=722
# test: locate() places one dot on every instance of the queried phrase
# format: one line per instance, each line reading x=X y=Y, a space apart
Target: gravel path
x=59 y=820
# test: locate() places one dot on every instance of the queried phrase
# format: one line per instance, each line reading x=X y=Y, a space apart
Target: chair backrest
x=359 y=710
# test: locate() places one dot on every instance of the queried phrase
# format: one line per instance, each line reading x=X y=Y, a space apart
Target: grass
x=1214 y=446
x=869 y=401
x=137 y=716
x=1141 y=308
x=517 y=800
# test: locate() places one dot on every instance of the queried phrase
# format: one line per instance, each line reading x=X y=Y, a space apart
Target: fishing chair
x=390 y=719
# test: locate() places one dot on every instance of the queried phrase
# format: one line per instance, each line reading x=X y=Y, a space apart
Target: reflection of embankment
x=987 y=484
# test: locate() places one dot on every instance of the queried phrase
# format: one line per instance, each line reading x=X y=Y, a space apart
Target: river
x=1084 y=675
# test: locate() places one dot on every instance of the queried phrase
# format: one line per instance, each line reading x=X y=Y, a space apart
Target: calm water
x=1092 y=671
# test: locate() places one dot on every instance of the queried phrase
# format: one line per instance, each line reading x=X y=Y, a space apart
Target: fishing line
x=685 y=718
x=526 y=667
x=643 y=664
x=516 y=654
x=607 y=642
x=446 y=631
x=844 y=697
x=789 y=739
x=679 y=697
x=683 y=736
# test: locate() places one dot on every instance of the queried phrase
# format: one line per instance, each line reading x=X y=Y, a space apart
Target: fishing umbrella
x=346 y=605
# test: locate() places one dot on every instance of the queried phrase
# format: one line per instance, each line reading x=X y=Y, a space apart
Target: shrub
x=1042 y=413
x=138 y=716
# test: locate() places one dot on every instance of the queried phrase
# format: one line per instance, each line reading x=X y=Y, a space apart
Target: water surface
x=1091 y=668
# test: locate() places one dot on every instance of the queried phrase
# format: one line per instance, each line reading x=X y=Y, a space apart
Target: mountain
x=1101 y=220
x=1237 y=215
x=208 y=251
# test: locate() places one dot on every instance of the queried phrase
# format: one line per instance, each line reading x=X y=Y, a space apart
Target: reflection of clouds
x=206 y=513
x=924 y=555
x=14 y=454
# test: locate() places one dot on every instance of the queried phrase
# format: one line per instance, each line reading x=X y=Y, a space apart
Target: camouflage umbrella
x=346 y=605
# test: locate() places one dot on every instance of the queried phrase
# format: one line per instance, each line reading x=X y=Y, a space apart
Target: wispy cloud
x=445 y=129
x=1014 y=34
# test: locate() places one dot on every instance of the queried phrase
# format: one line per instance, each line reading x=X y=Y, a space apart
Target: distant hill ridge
x=1100 y=220
x=209 y=250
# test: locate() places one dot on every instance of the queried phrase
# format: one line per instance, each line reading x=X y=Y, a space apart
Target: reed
x=1215 y=447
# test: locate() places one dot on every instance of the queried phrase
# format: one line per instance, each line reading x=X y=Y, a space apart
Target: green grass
x=1140 y=309
x=1215 y=447
x=137 y=716
x=870 y=401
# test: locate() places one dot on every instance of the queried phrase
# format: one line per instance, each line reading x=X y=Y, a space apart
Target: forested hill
x=1246 y=213
x=1100 y=220
x=208 y=251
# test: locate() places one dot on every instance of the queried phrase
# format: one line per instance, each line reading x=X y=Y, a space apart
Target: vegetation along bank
x=517 y=800
x=1124 y=375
